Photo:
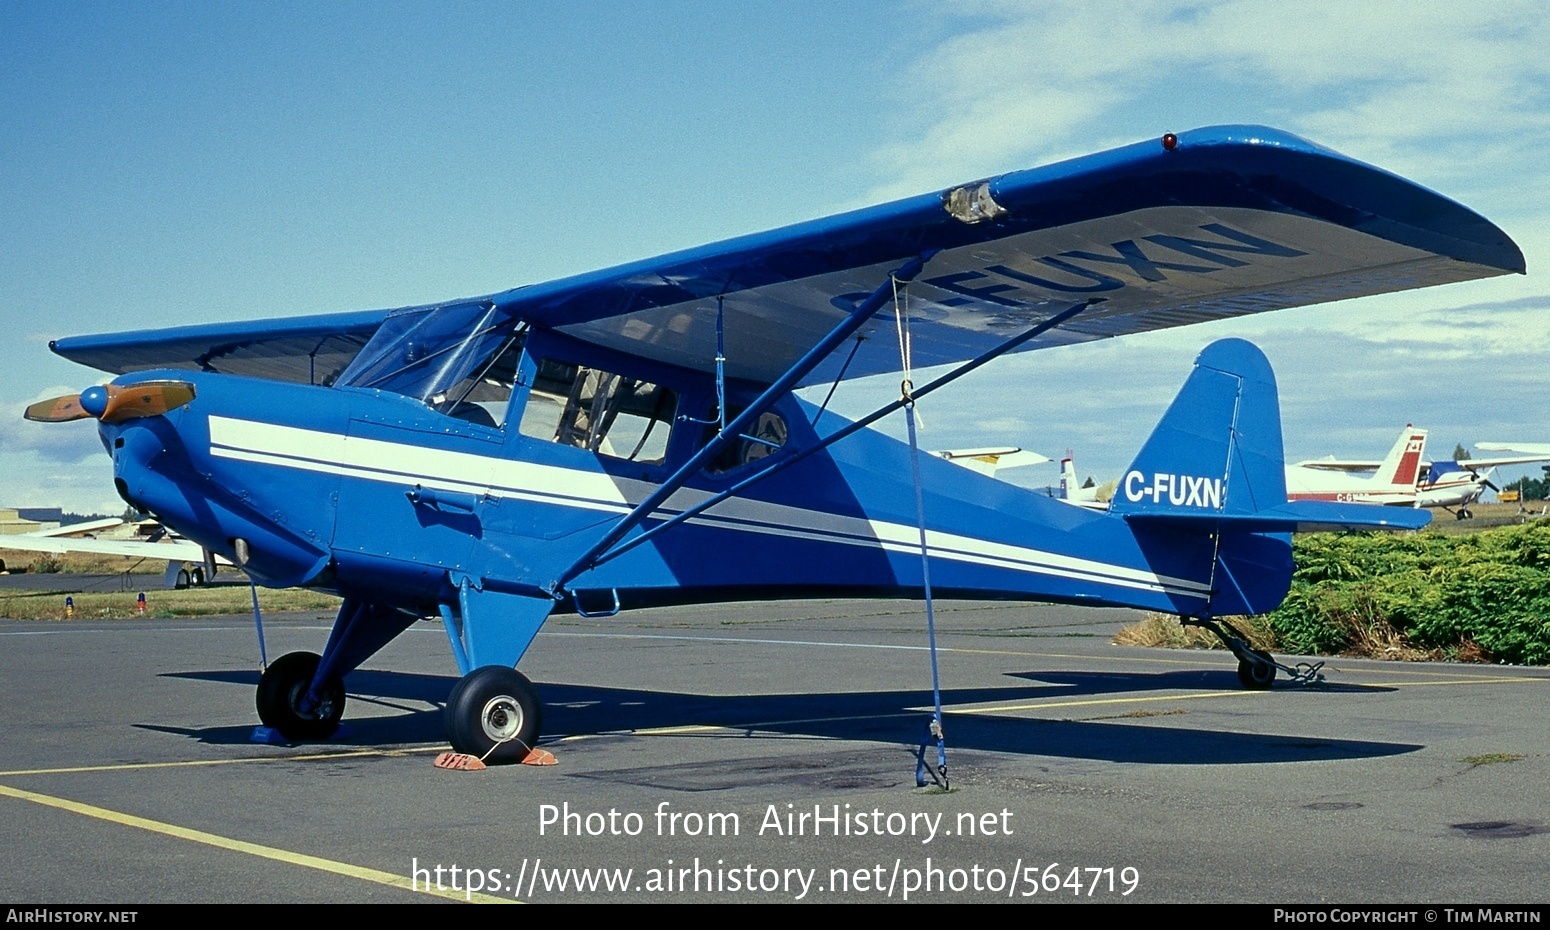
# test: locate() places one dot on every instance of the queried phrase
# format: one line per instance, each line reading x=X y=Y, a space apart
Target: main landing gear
x=283 y=704
x=493 y=713
x=1256 y=667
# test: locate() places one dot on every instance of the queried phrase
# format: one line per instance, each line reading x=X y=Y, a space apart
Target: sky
x=166 y=163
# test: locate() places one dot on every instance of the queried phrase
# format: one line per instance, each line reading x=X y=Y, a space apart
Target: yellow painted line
x=1198 y=657
x=200 y=763
x=670 y=731
x=402 y=882
x=1442 y=673
x=996 y=709
x=1003 y=708
x=1187 y=658
x=1463 y=681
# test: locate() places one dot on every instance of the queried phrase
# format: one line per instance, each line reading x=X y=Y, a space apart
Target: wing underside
x=1227 y=222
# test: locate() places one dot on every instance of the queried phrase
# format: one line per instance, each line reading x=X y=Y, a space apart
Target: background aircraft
x=1072 y=492
x=188 y=563
x=1392 y=481
x=631 y=436
x=1449 y=485
x=990 y=460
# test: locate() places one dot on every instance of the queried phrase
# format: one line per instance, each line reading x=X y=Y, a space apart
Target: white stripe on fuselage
x=448 y=470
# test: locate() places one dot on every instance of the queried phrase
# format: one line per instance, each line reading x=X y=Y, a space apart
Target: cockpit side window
x=765 y=437
x=599 y=411
x=460 y=360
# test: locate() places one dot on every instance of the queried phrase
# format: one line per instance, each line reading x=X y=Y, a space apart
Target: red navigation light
x=1170 y=141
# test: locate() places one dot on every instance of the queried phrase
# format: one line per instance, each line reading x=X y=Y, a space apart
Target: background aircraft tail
x=1206 y=495
x=1402 y=467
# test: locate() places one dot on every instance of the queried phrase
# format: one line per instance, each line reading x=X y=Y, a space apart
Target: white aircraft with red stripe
x=1392 y=481
x=1406 y=478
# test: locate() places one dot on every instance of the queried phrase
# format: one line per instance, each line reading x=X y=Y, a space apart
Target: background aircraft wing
x=173 y=550
x=1210 y=224
x=1483 y=464
x=1540 y=452
x=1340 y=464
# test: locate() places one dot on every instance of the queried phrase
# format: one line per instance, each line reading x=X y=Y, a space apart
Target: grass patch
x=1138 y=714
x=1165 y=630
x=191 y=602
x=1491 y=758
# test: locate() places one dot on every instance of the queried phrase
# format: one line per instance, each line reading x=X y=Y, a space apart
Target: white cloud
x=1455 y=96
x=1437 y=88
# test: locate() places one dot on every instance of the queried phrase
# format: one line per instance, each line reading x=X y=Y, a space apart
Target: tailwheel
x=1257 y=671
x=493 y=714
x=282 y=695
x=1256 y=667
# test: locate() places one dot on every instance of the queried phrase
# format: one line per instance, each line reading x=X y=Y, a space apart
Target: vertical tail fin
x=1217 y=450
x=1206 y=496
x=1401 y=469
x=1068 y=482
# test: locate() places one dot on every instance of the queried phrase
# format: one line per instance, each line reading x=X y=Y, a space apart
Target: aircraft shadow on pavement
x=874 y=716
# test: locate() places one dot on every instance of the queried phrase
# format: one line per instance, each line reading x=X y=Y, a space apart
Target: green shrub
x=1447 y=595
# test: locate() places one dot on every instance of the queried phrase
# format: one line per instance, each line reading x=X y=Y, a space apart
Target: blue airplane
x=633 y=437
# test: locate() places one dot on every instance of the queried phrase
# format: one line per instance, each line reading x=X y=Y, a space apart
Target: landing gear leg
x=493 y=713
x=1256 y=667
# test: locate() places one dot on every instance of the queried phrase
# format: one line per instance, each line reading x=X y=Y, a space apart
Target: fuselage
x=378 y=496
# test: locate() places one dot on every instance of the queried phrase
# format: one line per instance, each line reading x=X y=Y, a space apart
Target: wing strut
x=848 y=430
x=859 y=315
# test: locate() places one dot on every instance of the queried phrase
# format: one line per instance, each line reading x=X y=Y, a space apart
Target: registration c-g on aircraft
x=631 y=437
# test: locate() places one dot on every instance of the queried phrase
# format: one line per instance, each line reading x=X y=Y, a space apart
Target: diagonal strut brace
x=781 y=464
x=859 y=315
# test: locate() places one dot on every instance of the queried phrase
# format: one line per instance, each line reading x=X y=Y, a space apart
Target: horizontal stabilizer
x=1305 y=517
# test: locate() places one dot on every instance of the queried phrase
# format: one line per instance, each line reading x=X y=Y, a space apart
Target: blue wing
x=1217 y=223
x=308 y=349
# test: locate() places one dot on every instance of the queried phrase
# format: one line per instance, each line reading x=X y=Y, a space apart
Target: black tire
x=494 y=713
x=1257 y=676
x=182 y=581
x=196 y=577
x=280 y=691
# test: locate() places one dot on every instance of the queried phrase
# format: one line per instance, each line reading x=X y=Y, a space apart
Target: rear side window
x=602 y=412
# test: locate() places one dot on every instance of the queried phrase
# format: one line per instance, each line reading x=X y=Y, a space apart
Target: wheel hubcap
x=320 y=711
x=501 y=718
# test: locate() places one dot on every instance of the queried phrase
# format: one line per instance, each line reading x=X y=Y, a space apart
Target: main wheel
x=1257 y=676
x=494 y=713
x=281 y=689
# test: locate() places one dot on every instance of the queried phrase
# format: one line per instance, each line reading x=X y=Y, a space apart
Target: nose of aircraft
x=113 y=403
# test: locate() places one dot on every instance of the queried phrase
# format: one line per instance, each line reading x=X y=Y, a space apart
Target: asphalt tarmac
x=767 y=753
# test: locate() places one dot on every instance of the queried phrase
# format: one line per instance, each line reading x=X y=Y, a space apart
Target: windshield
x=437 y=355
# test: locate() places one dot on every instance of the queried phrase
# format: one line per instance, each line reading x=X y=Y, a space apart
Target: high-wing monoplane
x=1405 y=478
x=1392 y=481
x=631 y=436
